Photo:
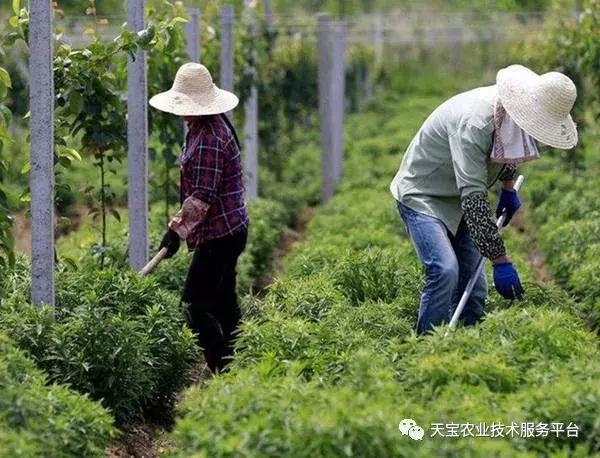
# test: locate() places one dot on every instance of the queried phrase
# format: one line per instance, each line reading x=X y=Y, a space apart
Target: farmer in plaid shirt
x=213 y=218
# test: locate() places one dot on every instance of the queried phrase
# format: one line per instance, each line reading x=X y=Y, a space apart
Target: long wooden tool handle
x=155 y=261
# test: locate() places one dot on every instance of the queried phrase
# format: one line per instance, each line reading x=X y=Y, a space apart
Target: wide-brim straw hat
x=539 y=104
x=194 y=94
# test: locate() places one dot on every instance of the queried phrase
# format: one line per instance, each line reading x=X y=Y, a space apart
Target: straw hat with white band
x=540 y=105
x=194 y=94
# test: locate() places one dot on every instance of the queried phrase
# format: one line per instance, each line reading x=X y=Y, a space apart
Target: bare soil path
x=535 y=256
x=22 y=228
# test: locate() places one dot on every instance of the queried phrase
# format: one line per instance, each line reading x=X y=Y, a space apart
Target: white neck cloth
x=511 y=144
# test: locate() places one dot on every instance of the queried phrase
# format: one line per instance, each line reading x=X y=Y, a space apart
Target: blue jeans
x=449 y=262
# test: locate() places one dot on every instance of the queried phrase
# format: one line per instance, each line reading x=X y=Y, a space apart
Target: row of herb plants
x=328 y=364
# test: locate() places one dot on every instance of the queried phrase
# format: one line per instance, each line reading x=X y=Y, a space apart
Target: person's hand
x=171 y=242
x=509 y=201
x=506 y=280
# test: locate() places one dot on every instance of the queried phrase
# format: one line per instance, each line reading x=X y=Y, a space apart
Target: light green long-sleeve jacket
x=449 y=158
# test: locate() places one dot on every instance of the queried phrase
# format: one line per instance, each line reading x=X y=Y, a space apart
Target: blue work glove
x=506 y=280
x=509 y=201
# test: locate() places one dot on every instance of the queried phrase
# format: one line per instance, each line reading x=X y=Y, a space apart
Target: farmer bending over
x=213 y=219
x=462 y=149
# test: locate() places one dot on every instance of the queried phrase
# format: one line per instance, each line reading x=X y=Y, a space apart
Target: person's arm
x=509 y=201
x=469 y=147
x=507 y=176
x=482 y=228
x=207 y=169
x=485 y=235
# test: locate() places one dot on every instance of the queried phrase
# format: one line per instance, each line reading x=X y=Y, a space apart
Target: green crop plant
x=7 y=257
x=166 y=130
x=112 y=334
x=374 y=275
x=327 y=363
x=309 y=297
x=45 y=419
x=90 y=108
x=269 y=220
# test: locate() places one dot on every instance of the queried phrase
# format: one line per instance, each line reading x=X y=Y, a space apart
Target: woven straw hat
x=194 y=94
x=540 y=105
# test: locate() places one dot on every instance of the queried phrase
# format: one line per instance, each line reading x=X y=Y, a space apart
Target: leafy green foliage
x=6 y=237
x=566 y=212
x=46 y=420
x=166 y=130
x=112 y=334
x=90 y=107
x=327 y=364
x=570 y=44
x=90 y=97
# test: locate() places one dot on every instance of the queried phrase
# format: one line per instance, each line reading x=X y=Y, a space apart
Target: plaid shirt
x=211 y=171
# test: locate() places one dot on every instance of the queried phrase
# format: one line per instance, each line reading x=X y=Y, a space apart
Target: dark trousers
x=210 y=291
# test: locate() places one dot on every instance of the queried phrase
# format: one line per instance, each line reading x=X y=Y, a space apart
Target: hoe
x=155 y=261
x=469 y=289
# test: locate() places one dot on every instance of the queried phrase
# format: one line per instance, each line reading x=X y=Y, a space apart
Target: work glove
x=506 y=280
x=171 y=242
x=509 y=201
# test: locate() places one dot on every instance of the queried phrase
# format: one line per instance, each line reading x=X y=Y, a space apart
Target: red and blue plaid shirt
x=211 y=171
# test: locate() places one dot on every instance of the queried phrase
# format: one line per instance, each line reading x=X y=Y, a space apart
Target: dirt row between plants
x=146 y=440
x=22 y=227
x=535 y=256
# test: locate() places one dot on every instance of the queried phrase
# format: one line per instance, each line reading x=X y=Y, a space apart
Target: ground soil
x=22 y=227
x=535 y=257
x=290 y=237
x=146 y=440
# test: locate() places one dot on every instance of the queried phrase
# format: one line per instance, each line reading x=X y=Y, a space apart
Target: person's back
x=430 y=174
x=217 y=177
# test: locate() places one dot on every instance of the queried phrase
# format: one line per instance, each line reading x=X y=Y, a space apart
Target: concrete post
x=192 y=35
x=137 y=139
x=251 y=121
x=193 y=44
x=227 y=49
x=251 y=144
x=269 y=15
x=41 y=177
x=455 y=35
x=378 y=40
x=338 y=99
x=325 y=112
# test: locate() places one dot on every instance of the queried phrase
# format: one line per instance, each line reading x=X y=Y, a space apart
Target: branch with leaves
x=90 y=109
x=7 y=242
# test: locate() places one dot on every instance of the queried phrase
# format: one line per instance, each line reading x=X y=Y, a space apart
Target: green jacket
x=449 y=158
